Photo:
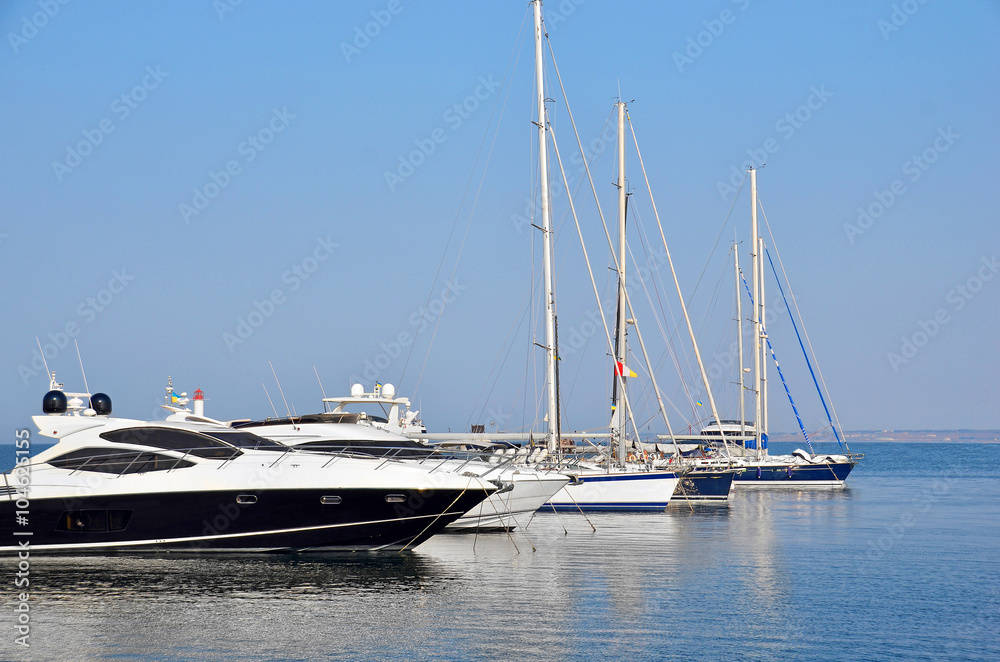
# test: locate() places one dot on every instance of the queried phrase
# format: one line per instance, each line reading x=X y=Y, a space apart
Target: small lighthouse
x=199 y=403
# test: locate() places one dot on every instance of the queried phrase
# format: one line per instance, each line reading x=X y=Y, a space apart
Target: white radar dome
x=388 y=391
x=357 y=390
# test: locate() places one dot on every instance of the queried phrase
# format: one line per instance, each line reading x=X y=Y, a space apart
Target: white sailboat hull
x=506 y=509
x=616 y=491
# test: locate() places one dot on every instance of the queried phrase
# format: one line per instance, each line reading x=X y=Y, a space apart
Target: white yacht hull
x=594 y=490
x=118 y=484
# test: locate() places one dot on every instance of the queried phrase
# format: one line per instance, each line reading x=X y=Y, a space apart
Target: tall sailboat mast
x=739 y=339
x=620 y=420
x=551 y=351
x=756 y=316
x=763 y=346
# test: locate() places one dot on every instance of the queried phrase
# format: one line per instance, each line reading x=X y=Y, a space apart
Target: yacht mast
x=755 y=257
x=550 y=294
x=680 y=297
x=763 y=350
x=621 y=347
x=739 y=337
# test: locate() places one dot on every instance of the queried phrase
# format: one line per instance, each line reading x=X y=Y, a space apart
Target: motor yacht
x=117 y=484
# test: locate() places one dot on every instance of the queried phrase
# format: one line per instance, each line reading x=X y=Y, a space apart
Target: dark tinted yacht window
x=248 y=440
x=324 y=417
x=86 y=521
x=174 y=440
x=376 y=447
x=103 y=460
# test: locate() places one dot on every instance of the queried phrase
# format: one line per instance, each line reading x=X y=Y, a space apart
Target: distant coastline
x=901 y=436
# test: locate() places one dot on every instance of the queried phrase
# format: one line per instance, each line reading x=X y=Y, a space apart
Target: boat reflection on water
x=735 y=582
x=309 y=606
x=96 y=578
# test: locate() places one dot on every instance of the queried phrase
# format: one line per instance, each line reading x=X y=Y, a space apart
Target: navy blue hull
x=277 y=520
x=794 y=475
x=703 y=485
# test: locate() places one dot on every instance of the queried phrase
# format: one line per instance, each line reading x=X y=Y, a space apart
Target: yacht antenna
x=86 y=388
x=269 y=400
x=52 y=378
x=321 y=389
x=287 y=410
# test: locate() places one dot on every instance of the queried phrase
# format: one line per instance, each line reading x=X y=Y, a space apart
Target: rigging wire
x=494 y=373
x=680 y=296
x=781 y=374
x=830 y=417
x=607 y=235
x=662 y=332
x=718 y=237
x=511 y=66
x=559 y=234
x=708 y=260
x=593 y=283
x=710 y=308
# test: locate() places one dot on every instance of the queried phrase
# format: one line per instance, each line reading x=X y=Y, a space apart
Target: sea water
x=900 y=565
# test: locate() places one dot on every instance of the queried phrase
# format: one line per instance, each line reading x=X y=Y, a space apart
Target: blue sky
x=175 y=171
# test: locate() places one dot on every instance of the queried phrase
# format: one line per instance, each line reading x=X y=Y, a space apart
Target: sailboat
x=697 y=483
x=759 y=468
x=613 y=483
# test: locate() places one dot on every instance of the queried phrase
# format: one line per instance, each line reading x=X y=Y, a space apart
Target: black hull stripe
x=277 y=520
x=452 y=515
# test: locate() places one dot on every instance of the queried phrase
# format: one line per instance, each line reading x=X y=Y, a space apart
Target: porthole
x=330 y=500
x=395 y=498
x=246 y=499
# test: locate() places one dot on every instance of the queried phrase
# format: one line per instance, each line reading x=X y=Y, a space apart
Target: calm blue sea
x=901 y=565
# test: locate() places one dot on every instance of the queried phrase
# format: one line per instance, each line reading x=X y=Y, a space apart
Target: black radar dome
x=54 y=402
x=101 y=404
